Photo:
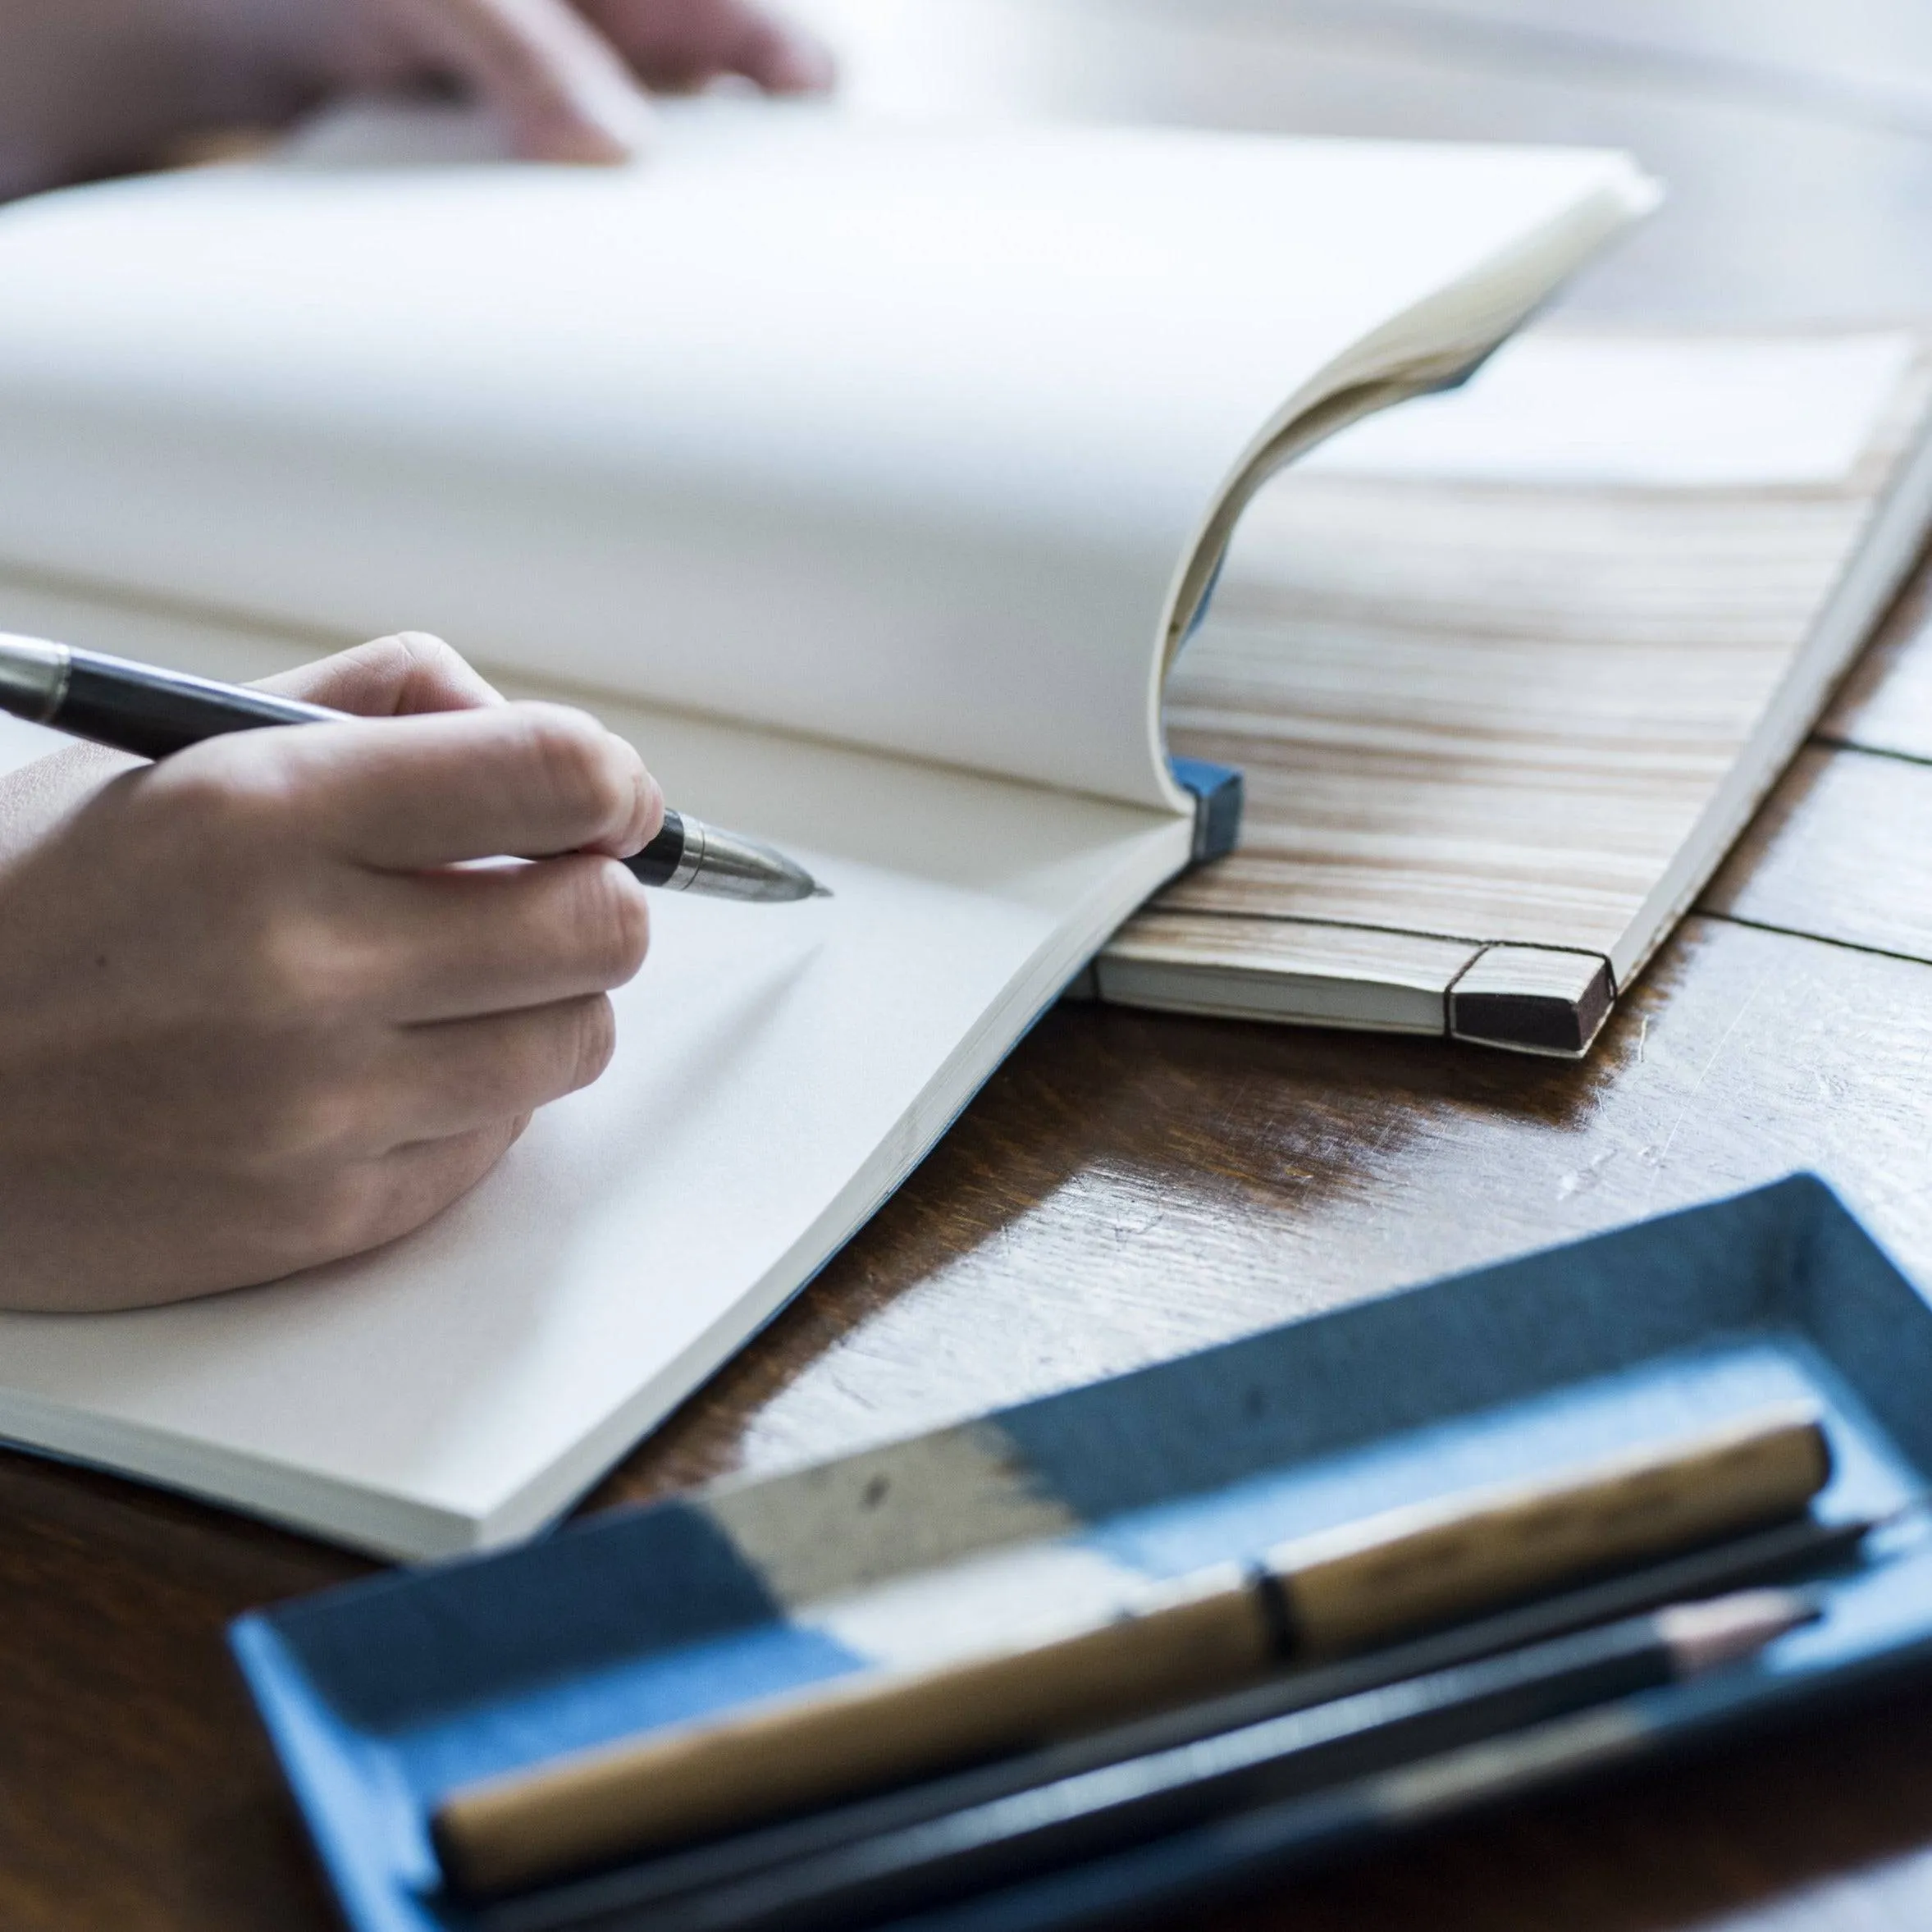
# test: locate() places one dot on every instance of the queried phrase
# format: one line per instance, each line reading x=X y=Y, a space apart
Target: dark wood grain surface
x=1130 y=1185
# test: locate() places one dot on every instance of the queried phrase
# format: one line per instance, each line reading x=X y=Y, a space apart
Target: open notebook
x=868 y=478
x=1509 y=670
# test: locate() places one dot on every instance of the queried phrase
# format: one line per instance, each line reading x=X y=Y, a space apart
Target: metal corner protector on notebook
x=1219 y=792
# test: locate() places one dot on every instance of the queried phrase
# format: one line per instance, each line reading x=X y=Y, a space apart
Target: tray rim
x=371 y=1889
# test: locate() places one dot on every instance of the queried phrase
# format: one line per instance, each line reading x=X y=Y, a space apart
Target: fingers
x=388 y=1198
x=408 y=673
x=778 y=58
x=565 y=77
x=438 y=1112
x=455 y=944
x=406 y=794
x=564 y=91
x=463 y=1075
x=684 y=43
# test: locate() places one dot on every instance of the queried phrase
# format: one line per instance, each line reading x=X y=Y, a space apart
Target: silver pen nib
x=726 y=866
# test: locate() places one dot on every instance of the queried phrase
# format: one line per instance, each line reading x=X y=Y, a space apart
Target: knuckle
x=573 y=757
x=344 y=1212
x=613 y=919
x=297 y=970
x=331 y=1123
x=408 y=660
x=385 y=662
x=276 y=943
x=314 y=1123
x=476 y=1079
x=228 y=791
x=594 y=1042
x=407 y=650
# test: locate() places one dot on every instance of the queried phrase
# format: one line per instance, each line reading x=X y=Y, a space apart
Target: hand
x=93 y=87
x=255 y=1020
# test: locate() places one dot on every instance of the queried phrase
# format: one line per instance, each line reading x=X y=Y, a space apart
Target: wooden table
x=1131 y=1186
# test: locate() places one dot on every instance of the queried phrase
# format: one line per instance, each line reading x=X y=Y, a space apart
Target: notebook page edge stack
x=1284 y=952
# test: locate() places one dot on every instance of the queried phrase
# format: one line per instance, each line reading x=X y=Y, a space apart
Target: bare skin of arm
x=260 y=1017
x=96 y=87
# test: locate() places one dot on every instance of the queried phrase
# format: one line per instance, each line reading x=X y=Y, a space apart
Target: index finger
x=406 y=794
x=687 y=46
x=564 y=90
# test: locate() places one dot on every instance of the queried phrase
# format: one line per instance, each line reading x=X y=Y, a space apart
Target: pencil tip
x=822 y=892
x=1705 y=1636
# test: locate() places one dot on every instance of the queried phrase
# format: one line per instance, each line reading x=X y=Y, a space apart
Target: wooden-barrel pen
x=1325 y=1595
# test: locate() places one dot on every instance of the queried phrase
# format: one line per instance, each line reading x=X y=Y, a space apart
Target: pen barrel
x=1409 y=1567
x=154 y=714
x=842 y=1739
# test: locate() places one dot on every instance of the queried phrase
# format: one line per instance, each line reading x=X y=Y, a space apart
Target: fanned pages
x=864 y=476
x=1508 y=670
x=907 y=438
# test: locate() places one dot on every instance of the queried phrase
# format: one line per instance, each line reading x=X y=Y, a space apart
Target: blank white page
x=897 y=435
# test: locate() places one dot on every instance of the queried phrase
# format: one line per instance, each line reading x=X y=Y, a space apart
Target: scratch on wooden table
x=1690 y=1099
x=1581 y=1180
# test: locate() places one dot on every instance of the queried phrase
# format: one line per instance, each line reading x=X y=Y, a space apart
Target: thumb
x=563 y=90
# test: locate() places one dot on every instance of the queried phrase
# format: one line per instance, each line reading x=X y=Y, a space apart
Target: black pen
x=150 y=712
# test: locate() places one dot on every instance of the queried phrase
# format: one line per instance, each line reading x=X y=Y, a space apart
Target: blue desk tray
x=382 y=1695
